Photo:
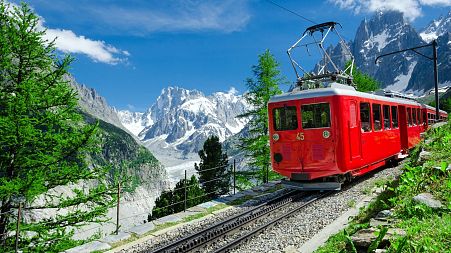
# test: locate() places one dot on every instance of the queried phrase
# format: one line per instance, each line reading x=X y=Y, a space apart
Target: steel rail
x=199 y=239
x=235 y=243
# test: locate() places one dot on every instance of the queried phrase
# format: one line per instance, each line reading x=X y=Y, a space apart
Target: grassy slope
x=427 y=230
x=117 y=148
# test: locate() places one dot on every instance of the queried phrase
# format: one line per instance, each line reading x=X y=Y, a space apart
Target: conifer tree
x=212 y=169
x=363 y=82
x=172 y=201
x=43 y=141
x=262 y=87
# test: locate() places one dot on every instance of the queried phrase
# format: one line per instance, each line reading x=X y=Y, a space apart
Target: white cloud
x=436 y=2
x=173 y=16
x=410 y=8
x=67 y=41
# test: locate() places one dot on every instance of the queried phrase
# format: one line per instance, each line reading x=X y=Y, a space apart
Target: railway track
x=203 y=240
x=306 y=201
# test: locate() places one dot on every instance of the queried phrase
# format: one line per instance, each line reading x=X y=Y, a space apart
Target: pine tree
x=364 y=82
x=43 y=141
x=163 y=206
x=445 y=104
x=173 y=201
x=212 y=169
x=262 y=87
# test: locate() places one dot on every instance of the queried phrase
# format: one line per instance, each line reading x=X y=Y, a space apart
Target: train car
x=321 y=137
x=430 y=114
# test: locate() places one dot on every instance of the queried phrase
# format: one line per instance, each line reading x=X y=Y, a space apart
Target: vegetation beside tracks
x=426 y=229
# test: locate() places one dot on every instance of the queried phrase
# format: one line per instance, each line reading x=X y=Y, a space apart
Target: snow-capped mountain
x=387 y=32
x=183 y=119
x=133 y=121
x=422 y=77
x=437 y=28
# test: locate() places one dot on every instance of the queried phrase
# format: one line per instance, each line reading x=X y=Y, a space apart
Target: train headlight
x=278 y=157
x=275 y=137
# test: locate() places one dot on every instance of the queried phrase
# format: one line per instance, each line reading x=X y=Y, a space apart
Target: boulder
x=377 y=222
x=364 y=237
x=424 y=156
x=428 y=199
x=384 y=214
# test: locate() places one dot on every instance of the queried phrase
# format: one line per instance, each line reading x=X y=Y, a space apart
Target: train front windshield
x=315 y=115
x=284 y=118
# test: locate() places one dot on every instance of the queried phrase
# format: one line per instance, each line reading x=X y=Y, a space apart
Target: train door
x=317 y=138
x=284 y=139
x=403 y=128
x=354 y=132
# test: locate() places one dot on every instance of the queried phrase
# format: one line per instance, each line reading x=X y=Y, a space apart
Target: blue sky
x=129 y=50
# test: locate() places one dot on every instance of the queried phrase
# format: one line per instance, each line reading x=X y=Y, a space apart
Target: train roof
x=432 y=108
x=337 y=89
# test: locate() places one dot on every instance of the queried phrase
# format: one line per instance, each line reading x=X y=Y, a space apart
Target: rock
x=424 y=156
x=380 y=251
x=384 y=214
x=142 y=229
x=166 y=219
x=111 y=239
x=428 y=199
x=377 y=222
x=90 y=247
x=208 y=204
x=364 y=237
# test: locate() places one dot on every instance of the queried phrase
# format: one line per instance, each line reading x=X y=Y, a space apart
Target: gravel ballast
x=294 y=231
x=290 y=233
x=183 y=230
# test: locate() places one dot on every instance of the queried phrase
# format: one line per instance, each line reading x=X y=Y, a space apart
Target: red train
x=320 y=138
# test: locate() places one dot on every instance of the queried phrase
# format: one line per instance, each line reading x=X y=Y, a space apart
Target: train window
x=414 y=116
x=365 y=117
x=394 y=116
x=377 y=117
x=419 y=116
x=284 y=118
x=409 y=116
x=425 y=117
x=315 y=115
x=386 y=117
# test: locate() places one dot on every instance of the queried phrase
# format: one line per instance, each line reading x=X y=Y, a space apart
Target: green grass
x=132 y=238
x=428 y=230
x=432 y=234
x=336 y=243
x=208 y=211
x=240 y=201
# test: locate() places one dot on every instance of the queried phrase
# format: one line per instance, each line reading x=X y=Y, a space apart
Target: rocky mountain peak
x=94 y=104
x=437 y=28
x=183 y=119
x=386 y=32
x=389 y=31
